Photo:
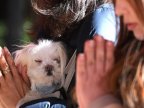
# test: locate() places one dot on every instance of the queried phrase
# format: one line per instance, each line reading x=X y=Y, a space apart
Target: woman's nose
x=120 y=8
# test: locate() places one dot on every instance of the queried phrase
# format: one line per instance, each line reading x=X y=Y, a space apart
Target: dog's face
x=45 y=64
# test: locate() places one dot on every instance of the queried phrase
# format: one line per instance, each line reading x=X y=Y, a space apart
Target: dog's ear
x=21 y=56
x=63 y=55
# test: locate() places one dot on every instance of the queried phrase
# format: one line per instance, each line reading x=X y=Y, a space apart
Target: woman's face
x=123 y=8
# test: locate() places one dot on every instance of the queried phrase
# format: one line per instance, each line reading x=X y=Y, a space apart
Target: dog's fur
x=45 y=63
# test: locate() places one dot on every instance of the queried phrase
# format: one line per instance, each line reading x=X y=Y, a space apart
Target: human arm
x=93 y=75
x=106 y=101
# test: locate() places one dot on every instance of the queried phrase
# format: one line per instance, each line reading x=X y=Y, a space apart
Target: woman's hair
x=54 y=16
x=129 y=78
x=125 y=37
x=69 y=10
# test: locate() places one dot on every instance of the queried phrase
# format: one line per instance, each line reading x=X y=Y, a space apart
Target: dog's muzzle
x=49 y=69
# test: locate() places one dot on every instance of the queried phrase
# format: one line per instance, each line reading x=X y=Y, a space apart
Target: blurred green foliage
x=25 y=38
x=3 y=31
x=26 y=27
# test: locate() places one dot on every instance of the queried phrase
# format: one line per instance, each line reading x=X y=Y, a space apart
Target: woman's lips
x=131 y=26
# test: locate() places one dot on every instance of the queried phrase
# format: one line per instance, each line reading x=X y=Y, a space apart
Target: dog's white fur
x=45 y=63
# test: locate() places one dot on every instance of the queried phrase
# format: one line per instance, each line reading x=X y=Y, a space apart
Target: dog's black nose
x=49 y=69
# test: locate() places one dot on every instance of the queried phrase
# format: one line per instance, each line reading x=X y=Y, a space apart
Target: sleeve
x=104 y=22
x=107 y=101
x=101 y=22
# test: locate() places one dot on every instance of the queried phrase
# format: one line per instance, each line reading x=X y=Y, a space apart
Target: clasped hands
x=13 y=80
x=93 y=71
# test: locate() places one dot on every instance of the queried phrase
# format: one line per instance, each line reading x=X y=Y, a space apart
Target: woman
x=96 y=65
x=74 y=31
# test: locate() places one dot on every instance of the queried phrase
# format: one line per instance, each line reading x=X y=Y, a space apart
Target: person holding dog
x=113 y=78
x=73 y=26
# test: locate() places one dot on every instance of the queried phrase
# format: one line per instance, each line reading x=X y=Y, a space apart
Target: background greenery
x=16 y=18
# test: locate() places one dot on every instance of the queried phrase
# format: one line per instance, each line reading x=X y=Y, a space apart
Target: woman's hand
x=12 y=87
x=93 y=71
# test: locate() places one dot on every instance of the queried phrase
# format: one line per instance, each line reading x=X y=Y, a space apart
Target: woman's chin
x=139 y=36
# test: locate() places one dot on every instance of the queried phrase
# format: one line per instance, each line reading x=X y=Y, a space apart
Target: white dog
x=45 y=63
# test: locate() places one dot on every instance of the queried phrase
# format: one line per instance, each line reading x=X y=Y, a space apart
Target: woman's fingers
x=81 y=77
x=4 y=66
x=15 y=74
x=10 y=89
x=109 y=55
x=11 y=63
x=23 y=72
x=100 y=55
x=92 y=70
x=90 y=55
x=2 y=80
x=81 y=70
x=23 y=75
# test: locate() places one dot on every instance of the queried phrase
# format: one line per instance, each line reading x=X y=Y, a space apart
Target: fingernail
x=6 y=50
x=91 y=43
x=110 y=43
x=81 y=56
x=86 y=42
x=98 y=38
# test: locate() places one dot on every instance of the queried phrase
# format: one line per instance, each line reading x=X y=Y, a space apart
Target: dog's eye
x=57 y=60
x=38 y=61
